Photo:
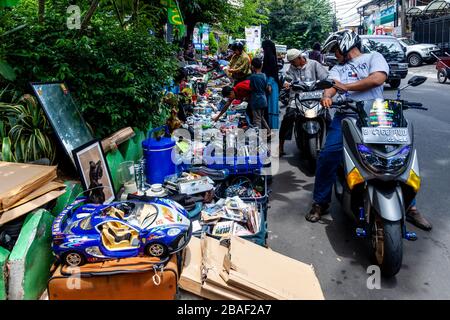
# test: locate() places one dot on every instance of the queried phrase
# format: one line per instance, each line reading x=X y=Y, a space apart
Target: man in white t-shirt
x=363 y=77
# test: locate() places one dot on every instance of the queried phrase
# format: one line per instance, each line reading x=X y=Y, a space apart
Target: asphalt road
x=339 y=258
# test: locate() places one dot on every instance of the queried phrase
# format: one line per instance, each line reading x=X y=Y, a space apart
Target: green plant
x=213 y=46
x=26 y=132
x=223 y=43
x=116 y=76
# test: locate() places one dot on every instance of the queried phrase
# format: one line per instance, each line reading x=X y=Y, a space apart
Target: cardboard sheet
x=269 y=274
x=18 y=180
x=51 y=186
x=191 y=278
x=29 y=206
x=213 y=255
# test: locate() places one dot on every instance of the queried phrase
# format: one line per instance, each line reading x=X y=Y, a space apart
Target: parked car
x=394 y=54
x=418 y=53
x=85 y=232
x=392 y=51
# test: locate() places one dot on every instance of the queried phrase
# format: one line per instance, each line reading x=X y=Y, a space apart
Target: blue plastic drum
x=158 y=157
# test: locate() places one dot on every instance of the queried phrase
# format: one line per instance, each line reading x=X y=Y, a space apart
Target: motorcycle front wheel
x=313 y=152
x=387 y=245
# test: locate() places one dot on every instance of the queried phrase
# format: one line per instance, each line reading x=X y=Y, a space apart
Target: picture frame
x=94 y=172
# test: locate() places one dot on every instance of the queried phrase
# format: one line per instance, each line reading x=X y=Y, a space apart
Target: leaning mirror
x=63 y=115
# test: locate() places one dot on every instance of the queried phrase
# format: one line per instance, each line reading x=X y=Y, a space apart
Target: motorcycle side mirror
x=417 y=81
x=324 y=84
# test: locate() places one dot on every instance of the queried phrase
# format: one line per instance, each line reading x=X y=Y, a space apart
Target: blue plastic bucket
x=158 y=156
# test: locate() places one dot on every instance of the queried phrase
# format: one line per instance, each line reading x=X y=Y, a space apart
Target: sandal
x=315 y=213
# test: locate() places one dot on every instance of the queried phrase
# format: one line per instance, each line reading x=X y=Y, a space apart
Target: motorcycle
x=380 y=175
x=311 y=119
x=284 y=95
x=284 y=92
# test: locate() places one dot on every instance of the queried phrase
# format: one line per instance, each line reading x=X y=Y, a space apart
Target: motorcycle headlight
x=311 y=113
x=378 y=163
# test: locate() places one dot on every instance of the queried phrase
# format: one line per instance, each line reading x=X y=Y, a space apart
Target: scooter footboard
x=387 y=201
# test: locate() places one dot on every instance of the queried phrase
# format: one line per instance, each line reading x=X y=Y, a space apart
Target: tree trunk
x=190 y=32
x=89 y=14
x=116 y=9
x=41 y=11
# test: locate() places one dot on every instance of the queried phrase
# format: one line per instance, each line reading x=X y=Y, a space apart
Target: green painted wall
x=31 y=258
x=73 y=189
x=114 y=159
x=3 y=259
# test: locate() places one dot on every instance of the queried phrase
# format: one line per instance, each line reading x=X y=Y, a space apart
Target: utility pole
x=403 y=17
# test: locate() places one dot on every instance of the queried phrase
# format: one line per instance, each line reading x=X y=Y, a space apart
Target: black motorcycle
x=380 y=174
x=284 y=92
x=311 y=118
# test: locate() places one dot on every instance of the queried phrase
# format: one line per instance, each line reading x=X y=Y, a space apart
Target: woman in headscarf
x=270 y=68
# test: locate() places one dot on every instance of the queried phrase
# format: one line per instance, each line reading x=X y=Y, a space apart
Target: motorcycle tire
x=390 y=258
x=299 y=140
x=312 y=146
x=442 y=76
x=313 y=153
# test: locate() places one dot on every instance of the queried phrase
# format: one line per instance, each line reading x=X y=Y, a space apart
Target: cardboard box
x=268 y=274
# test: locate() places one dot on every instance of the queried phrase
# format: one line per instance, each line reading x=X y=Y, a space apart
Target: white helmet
x=345 y=40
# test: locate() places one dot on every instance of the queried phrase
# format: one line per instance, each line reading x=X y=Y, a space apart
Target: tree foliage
x=116 y=75
x=231 y=17
x=298 y=23
x=213 y=45
x=248 y=13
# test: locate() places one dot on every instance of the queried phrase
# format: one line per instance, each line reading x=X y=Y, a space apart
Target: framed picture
x=94 y=172
x=62 y=113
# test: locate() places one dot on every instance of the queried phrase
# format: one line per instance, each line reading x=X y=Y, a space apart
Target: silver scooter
x=380 y=174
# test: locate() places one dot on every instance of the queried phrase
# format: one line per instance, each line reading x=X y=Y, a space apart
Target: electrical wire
x=353 y=7
x=346 y=4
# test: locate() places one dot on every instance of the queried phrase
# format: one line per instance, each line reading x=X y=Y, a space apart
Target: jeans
x=330 y=158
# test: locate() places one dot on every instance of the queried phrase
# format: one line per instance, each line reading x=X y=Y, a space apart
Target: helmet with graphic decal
x=344 y=41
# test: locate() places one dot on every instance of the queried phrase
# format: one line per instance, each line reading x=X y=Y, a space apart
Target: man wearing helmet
x=363 y=77
x=301 y=69
x=240 y=63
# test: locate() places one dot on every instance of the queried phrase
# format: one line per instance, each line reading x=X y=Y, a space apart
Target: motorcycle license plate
x=310 y=95
x=378 y=135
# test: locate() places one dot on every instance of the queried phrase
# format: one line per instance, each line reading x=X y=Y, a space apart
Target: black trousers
x=287 y=124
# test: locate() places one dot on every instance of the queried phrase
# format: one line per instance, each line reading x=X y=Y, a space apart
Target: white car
x=417 y=53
